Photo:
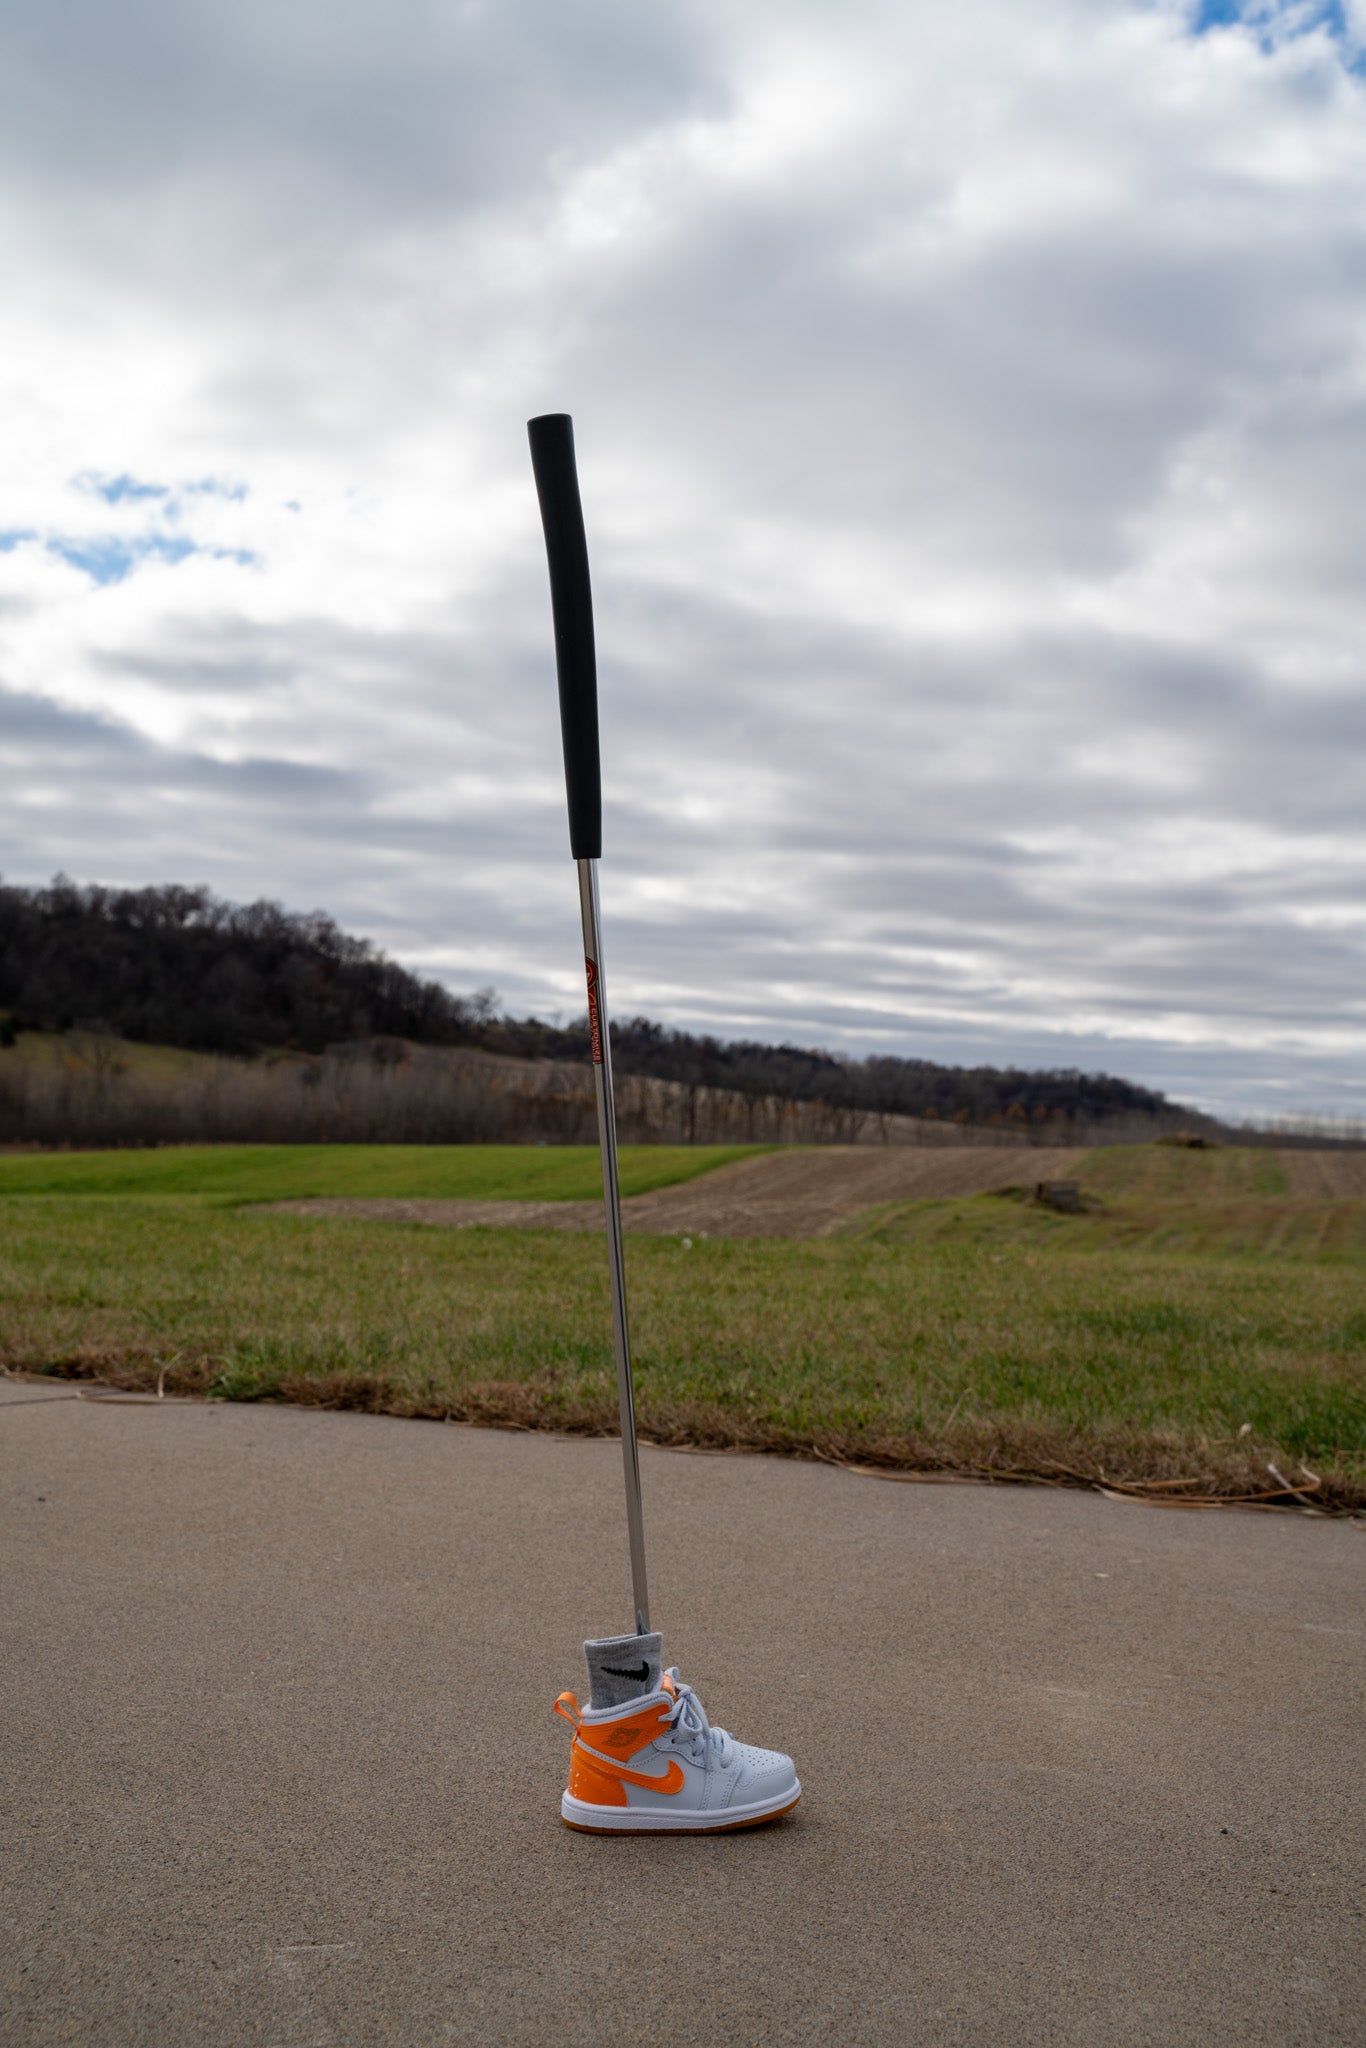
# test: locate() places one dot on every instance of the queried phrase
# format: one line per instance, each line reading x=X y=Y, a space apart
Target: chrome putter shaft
x=557 y=487
x=611 y=1197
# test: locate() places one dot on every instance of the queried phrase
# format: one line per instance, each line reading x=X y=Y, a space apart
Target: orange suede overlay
x=600 y=1779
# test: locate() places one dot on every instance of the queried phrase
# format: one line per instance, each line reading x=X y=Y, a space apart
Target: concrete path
x=281 y=1766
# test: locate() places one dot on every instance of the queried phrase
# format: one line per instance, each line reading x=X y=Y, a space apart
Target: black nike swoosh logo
x=614 y=1671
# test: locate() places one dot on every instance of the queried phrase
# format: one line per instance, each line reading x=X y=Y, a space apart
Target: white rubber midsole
x=658 y=1820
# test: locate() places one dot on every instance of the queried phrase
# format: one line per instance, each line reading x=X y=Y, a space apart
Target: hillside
x=177 y=967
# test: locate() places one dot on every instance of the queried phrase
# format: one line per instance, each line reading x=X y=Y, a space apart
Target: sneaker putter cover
x=655 y=1765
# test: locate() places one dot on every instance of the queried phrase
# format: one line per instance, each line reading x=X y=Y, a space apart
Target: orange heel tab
x=567 y=1707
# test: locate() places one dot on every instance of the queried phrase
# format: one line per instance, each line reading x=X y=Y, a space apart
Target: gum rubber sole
x=721 y=1827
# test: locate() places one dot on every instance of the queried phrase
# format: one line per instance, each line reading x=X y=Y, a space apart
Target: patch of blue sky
x=1275 y=22
x=125 y=489
x=108 y=559
x=215 y=487
x=117 y=490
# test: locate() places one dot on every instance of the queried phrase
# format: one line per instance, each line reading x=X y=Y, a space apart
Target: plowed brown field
x=1324 y=1176
x=778 y=1194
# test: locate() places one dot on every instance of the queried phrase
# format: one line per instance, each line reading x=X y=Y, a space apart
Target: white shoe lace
x=692 y=1732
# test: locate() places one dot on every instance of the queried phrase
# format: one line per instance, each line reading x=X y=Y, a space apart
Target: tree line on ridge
x=178 y=966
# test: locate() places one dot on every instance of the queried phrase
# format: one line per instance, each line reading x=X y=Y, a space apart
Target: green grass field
x=280 y=1173
x=1185 y=1336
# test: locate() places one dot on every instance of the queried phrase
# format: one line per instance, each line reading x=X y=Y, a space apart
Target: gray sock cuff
x=622 y=1668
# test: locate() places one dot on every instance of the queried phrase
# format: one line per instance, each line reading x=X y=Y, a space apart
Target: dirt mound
x=778 y=1194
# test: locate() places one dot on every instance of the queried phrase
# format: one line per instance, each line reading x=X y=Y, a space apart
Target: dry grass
x=90 y=1089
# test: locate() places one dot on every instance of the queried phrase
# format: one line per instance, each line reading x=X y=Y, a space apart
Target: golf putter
x=571 y=601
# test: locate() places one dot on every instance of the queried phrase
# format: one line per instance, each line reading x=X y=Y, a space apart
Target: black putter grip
x=571 y=603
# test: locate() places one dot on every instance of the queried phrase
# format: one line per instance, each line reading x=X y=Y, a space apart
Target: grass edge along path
x=1149 y=1467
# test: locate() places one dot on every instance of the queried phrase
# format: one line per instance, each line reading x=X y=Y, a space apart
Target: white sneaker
x=657 y=1766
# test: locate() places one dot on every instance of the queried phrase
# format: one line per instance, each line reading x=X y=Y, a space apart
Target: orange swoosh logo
x=672 y=1780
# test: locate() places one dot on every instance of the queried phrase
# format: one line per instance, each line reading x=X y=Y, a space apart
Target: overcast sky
x=970 y=403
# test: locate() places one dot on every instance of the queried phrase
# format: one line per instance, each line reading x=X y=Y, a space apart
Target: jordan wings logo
x=614 y=1671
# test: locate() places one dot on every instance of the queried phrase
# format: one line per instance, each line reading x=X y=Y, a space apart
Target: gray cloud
x=325 y=107
x=971 y=430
